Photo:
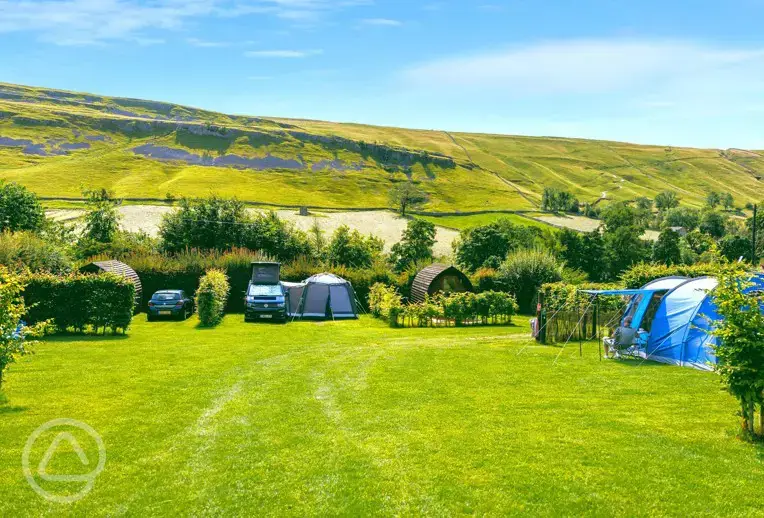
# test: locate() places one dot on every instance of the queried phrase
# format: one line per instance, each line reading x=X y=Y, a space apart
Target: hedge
x=456 y=309
x=644 y=273
x=80 y=302
x=211 y=298
x=183 y=272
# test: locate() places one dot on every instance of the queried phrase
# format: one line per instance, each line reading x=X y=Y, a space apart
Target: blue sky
x=674 y=73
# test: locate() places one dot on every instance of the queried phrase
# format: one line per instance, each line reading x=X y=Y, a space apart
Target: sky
x=681 y=73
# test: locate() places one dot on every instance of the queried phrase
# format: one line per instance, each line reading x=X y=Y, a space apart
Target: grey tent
x=323 y=296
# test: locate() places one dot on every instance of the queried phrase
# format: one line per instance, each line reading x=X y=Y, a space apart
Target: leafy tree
x=713 y=199
x=13 y=332
x=713 y=224
x=740 y=353
x=617 y=215
x=525 y=271
x=221 y=224
x=728 y=201
x=491 y=243
x=666 y=200
x=734 y=246
x=666 y=249
x=644 y=203
x=406 y=195
x=102 y=217
x=415 y=245
x=19 y=209
x=317 y=240
x=623 y=248
x=685 y=217
x=352 y=249
x=558 y=200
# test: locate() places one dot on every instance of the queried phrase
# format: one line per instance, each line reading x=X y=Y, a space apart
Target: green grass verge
x=354 y=418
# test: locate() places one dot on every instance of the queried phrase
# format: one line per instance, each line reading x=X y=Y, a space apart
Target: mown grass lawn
x=354 y=418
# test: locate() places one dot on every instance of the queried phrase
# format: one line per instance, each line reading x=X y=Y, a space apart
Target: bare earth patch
x=382 y=224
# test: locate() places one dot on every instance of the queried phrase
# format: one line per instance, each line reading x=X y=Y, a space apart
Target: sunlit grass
x=354 y=418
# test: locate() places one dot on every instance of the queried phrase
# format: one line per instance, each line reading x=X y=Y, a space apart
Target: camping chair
x=633 y=350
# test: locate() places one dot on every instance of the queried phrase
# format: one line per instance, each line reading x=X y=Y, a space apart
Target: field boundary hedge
x=456 y=309
x=80 y=302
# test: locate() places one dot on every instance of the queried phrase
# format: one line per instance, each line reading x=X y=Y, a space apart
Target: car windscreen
x=265 y=291
x=161 y=297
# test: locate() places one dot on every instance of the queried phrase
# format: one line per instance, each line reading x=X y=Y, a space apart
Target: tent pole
x=580 y=340
x=597 y=323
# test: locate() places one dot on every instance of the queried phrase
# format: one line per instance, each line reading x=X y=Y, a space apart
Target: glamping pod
x=439 y=278
x=121 y=269
x=323 y=297
x=675 y=317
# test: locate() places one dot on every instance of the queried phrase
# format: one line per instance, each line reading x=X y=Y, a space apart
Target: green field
x=332 y=165
x=354 y=418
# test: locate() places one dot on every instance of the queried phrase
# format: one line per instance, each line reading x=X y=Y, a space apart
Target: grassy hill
x=55 y=142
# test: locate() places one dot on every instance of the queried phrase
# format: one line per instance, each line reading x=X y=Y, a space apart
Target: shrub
x=212 y=296
x=643 y=273
x=524 y=272
x=740 y=353
x=352 y=249
x=80 y=302
x=457 y=308
x=12 y=331
x=26 y=251
x=19 y=208
x=489 y=244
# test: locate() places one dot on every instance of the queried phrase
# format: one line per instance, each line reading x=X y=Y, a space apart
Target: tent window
x=652 y=310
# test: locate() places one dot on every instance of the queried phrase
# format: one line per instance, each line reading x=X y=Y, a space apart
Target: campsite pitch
x=354 y=418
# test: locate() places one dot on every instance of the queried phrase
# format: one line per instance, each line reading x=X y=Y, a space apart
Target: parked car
x=170 y=303
x=265 y=298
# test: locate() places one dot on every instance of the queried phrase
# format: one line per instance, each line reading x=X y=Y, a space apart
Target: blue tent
x=676 y=317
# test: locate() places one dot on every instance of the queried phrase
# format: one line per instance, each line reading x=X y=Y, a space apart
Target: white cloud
x=94 y=21
x=382 y=22
x=195 y=42
x=286 y=54
x=587 y=66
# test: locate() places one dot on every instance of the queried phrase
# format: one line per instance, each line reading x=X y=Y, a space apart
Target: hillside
x=55 y=142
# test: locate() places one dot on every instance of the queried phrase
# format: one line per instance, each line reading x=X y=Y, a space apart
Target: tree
x=317 y=240
x=405 y=195
x=525 y=271
x=728 y=201
x=684 y=217
x=666 y=249
x=644 y=203
x=734 y=246
x=352 y=249
x=491 y=243
x=19 y=209
x=666 y=200
x=558 y=200
x=415 y=245
x=221 y=224
x=13 y=332
x=740 y=352
x=623 y=248
x=617 y=215
x=713 y=224
x=102 y=217
x=713 y=199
